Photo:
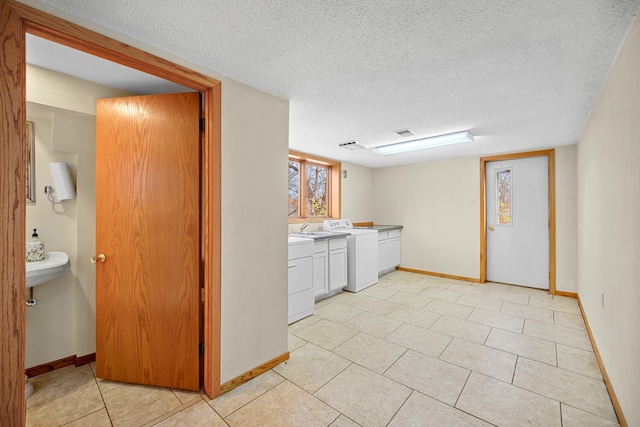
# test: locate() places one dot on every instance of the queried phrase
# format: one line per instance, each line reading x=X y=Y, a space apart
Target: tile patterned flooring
x=412 y=350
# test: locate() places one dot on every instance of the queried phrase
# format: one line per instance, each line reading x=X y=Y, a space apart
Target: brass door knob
x=491 y=227
x=98 y=258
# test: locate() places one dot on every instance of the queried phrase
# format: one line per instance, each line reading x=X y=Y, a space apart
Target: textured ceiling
x=518 y=75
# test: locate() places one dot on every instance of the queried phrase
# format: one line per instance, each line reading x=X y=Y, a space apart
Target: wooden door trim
x=16 y=20
x=550 y=154
x=12 y=218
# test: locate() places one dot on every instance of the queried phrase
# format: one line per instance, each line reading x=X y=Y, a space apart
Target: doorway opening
x=89 y=46
x=17 y=20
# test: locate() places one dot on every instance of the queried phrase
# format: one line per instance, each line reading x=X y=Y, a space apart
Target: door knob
x=491 y=227
x=98 y=258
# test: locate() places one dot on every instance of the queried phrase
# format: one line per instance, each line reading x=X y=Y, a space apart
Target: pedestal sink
x=55 y=264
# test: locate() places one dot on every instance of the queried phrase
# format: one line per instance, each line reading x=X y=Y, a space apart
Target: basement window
x=314 y=188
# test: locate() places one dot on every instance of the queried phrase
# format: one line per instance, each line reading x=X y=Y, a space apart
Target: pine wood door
x=148 y=228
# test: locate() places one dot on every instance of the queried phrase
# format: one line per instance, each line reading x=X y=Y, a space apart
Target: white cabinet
x=388 y=250
x=394 y=248
x=329 y=266
x=320 y=268
x=300 y=279
x=337 y=264
x=383 y=252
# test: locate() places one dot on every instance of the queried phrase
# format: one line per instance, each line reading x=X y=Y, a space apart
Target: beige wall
x=255 y=129
x=357 y=202
x=566 y=218
x=608 y=224
x=50 y=325
x=441 y=233
x=62 y=108
x=437 y=203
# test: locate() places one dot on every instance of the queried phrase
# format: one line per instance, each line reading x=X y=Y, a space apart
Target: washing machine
x=362 y=253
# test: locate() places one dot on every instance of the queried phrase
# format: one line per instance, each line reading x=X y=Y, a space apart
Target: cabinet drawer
x=337 y=243
x=300 y=250
x=319 y=246
x=300 y=305
x=300 y=274
x=382 y=235
x=394 y=233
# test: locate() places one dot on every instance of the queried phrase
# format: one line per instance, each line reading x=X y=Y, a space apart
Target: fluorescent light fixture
x=419 y=144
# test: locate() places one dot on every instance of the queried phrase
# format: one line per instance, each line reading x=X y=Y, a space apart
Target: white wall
x=609 y=227
x=437 y=203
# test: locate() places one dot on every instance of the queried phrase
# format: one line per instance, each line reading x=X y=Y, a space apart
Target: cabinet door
x=394 y=252
x=337 y=269
x=320 y=269
x=383 y=255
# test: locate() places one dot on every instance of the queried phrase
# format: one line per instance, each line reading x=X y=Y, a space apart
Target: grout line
x=171 y=413
x=91 y=365
x=462 y=389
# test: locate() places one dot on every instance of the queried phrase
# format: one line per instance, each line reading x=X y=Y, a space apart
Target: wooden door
x=517 y=204
x=148 y=228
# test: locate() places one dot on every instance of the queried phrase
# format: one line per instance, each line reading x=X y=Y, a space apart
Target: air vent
x=352 y=145
x=405 y=133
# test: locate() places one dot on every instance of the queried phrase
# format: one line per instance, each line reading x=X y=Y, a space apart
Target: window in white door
x=503 y=196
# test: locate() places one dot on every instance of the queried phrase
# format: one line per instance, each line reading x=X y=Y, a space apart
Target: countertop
x=319 y=235
x=296 y=240
x=384 y=227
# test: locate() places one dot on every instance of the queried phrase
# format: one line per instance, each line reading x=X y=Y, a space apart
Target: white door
x=517 y=205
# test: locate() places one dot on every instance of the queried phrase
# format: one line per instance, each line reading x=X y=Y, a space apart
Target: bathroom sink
x=55 y=264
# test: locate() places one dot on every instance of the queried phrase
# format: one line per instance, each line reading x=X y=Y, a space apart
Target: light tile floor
x=410 y=350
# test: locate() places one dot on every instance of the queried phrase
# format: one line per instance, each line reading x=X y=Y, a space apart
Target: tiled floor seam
x=171 y=413
x=589 y=412
x=395 y=361
x=84 y=416
x=445 y=349
x=250 y=401
x=101 y=394
x=455 y=405
x=533 y=391
x=330 y=379
x=401 y=406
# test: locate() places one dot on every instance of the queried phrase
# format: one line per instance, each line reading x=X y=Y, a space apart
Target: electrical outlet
x=473 y=262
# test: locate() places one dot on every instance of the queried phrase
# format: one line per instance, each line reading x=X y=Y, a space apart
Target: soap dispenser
x=35 y=248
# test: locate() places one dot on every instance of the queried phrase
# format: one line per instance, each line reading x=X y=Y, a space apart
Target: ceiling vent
x=405 y=133
x=352 y=145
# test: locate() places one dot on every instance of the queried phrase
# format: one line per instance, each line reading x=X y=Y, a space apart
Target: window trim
x=334 y=185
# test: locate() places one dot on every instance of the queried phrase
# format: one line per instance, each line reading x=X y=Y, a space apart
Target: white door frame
x=550 y=154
